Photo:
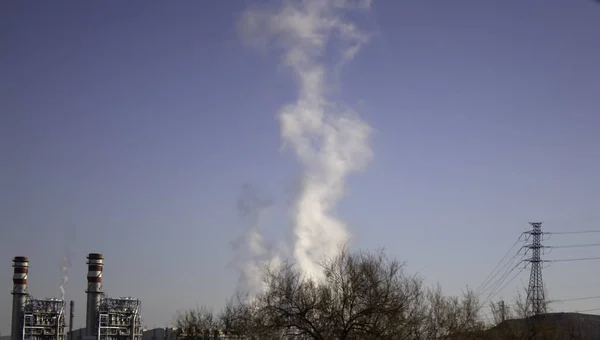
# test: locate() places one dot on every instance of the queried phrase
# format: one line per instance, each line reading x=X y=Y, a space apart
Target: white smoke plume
x=64 y=269
x=253 y=253
x=330 y=140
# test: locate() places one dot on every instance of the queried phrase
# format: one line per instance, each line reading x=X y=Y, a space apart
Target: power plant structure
x=109 y=318
x=34 y=319
x=106 y=318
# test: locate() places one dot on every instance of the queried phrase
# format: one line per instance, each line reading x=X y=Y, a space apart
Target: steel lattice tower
x=536 y=302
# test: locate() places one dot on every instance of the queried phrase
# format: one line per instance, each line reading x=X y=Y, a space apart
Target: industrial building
x=34 y=319
x=107 y=318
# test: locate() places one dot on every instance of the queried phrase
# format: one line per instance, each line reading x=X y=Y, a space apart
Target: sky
x=130 y=129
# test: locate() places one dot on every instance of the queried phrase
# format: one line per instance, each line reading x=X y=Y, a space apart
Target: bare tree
x=365 y=295
x=195 y=323
x=243 y=318
x=235 y=318
x=452 y=317
x=520 y=306
x=500 y=312
x=362 y=296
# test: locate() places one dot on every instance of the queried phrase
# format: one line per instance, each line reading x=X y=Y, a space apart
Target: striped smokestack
x=95 y=264
x=21 y=269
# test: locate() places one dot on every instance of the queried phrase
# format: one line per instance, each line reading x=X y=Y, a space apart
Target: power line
x=575 y=246
x=573 y=232
x=578 y=299
x=494 y=289
x=576 y=259
x=506 y=284
x=587 y=310
x=494 y=273
x=488 y=279
x=504 y=271
x=494 y=285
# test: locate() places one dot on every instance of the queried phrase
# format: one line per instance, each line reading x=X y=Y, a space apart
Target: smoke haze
x=66 y=260
x=64 y=269
x=253 y=254
x=329 y=140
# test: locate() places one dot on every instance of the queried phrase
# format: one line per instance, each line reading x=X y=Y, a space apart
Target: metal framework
x=119 y=319
x=536 y=301
x=44 y=319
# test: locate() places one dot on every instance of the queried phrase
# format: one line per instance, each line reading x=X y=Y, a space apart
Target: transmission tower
x=536 y=303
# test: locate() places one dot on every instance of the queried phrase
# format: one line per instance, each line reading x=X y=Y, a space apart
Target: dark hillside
x=553 y=326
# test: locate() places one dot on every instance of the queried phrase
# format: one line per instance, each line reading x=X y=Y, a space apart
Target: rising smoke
x=65 y=264
x=253 y=253
x=329 y=140
x=64 y=269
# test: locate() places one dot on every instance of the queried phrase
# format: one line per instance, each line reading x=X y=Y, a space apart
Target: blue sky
x=130 y=128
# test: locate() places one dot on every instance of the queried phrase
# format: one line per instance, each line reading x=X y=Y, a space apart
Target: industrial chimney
x=21 y=268
x=71 y=317
x=94 y=292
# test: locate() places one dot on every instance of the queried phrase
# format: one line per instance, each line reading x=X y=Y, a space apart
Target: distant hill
x=552 y=326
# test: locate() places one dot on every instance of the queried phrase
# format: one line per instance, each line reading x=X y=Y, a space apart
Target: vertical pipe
x=21 y=269
x=59 y=321
x=71 y=317
x=95 y=264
